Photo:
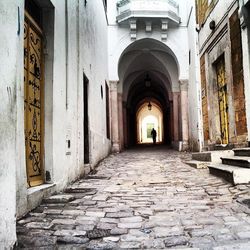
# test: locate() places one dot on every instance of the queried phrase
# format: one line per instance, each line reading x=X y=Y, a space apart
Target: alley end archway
x=149 y=72
x=149 y=116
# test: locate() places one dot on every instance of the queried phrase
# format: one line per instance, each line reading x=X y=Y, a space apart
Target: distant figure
x=153 y=133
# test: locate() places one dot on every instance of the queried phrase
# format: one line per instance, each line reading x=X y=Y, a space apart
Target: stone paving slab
x=142 y=199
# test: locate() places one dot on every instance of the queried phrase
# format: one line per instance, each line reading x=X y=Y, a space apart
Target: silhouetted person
x=153 y=133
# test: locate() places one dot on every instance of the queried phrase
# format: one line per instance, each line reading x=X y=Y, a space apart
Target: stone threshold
x=35 y=195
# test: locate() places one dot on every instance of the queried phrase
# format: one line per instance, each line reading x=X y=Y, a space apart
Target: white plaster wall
x=87 y=52
x=94 y=45
x=177 y=42
x=194 y=92
x=119 y=40
x=60 y=171
x=183 y=7
x=220 y=14
x=91 y=59
x=11 y=77
x=217 y=15
x=246 y=62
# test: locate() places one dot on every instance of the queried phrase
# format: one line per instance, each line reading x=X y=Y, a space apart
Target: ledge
x=124 y=16
x=35 y=195
x=40 y=188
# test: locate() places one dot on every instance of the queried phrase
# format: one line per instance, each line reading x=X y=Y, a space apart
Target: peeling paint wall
x=119 y=39
x=194 y=88
x=75 y=44
x=245 y=33
x=11 y=78
x=220 y=37
x=237 y=74
x=175 y=64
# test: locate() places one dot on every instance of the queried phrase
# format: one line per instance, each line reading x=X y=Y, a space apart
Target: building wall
x=204 y=98
x=94 y=44
x=119 y=40
x=245 y=33
x=237 y=73
x=76 y=44
x=204 y=8
x=10 y=130
x=222 y=41
x=194 y=87
x=215 y=14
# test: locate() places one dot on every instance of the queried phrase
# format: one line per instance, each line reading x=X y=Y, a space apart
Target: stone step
x=212 y=156
x=240 y=161
x=197 y=164
x=242 y=152
x=233 y=174
x=223 y=146
x=59 y=198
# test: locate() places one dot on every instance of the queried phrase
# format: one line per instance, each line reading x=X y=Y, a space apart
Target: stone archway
x=149 y=115
x=148 y=69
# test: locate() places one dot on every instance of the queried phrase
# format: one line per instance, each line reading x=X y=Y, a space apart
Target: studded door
x=223 y=104
x=33 y=101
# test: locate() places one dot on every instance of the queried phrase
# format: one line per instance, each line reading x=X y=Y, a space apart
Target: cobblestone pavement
x=141 y=199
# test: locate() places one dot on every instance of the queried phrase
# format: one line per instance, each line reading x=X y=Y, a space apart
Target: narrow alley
x=143 y=198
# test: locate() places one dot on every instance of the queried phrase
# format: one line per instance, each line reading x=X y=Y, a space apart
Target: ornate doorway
x=223 y=102
x=33 y=101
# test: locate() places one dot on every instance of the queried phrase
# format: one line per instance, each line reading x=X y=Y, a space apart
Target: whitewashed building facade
x=54 y=72
x=77 y=77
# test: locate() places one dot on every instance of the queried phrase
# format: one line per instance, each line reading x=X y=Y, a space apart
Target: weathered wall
x=220 y=48
x=204 y=98
x=217 y=15
x=11 y=77
x=119 y=40
x=203 y=9
x=237 y=74
x=222 y=41
x=76 y=45
x=94 y=45
x=194 y=87
x=175 y=65
x=245 y=32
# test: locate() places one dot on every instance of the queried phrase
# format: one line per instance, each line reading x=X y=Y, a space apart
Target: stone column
x=114 y=117
x=184 y=113
x=175 y=123
x=125 y=126
x=120 y=121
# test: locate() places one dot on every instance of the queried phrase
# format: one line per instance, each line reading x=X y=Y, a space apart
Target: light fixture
x=149 y=106
x=147 y=81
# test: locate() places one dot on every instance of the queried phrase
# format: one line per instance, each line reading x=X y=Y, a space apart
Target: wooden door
x=33 y=101
x=223 y=102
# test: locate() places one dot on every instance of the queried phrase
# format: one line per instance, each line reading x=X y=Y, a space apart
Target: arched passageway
x=137 y=110
x=149 y=116
x=149 y=72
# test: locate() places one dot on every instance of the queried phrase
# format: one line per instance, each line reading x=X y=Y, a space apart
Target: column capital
x=183 y=84
x=113 y=85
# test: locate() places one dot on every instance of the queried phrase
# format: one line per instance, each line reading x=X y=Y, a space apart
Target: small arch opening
x=147 y=118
